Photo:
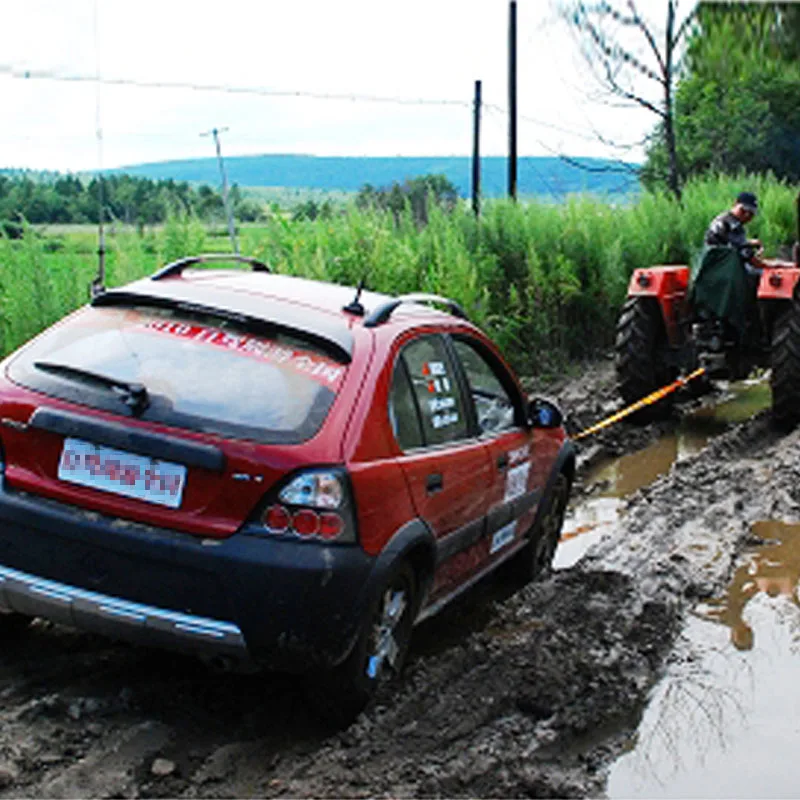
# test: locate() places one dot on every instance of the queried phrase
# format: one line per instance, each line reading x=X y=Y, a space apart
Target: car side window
x=436 y=390
x=403 y=409
x=494 y=407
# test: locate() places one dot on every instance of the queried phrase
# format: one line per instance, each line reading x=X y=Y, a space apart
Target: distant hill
x=550 y=177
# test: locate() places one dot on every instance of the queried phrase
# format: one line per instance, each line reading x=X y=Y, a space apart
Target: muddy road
x=511 y=692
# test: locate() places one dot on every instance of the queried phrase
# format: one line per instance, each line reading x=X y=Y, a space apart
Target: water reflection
x=773 y=569
x=585 y=524
x=722 y=722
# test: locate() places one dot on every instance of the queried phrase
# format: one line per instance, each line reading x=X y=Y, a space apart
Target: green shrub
x=546 y=280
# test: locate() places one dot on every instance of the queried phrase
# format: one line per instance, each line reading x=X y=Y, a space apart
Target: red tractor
x=662 y=334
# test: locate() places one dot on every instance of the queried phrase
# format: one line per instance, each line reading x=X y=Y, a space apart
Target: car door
x=447 y=467
x=500 y=417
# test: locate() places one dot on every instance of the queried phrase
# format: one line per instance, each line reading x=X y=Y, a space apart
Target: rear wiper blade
x=134 y=395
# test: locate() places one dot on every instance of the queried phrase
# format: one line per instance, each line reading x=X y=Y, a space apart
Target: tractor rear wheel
x=641 y=356
x=785 y=378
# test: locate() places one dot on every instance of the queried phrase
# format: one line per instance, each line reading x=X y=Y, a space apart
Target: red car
x=268 y=471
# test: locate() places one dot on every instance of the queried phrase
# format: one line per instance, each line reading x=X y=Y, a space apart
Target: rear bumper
x=36 y=597
x=281 y=603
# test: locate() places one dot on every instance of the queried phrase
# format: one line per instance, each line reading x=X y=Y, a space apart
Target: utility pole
x=215 y=132
x=512 y=100
x=476 y=152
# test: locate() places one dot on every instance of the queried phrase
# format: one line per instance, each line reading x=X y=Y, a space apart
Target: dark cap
x=748 y=201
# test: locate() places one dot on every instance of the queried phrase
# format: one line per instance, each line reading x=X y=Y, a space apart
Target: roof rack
x=177 y=267
x=382 y=313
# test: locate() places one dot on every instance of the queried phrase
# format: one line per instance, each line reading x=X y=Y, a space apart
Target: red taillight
x=277 y=519
x=315 y=504
x=305 y=522
x=330 y=525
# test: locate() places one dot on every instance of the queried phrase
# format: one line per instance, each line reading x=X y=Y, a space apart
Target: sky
x=431 y=50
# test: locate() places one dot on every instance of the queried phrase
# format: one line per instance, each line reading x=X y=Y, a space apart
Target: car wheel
x=378 y=655
x=12 y=624
x=537 y=558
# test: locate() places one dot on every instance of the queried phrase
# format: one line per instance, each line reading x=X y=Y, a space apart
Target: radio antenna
x=99 y=283
x=355 y=306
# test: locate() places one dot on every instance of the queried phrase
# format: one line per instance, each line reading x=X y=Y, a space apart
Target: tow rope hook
x=651 y=398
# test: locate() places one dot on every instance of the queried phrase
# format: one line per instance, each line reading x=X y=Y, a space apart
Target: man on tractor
x=727 y=229
x=725 y=282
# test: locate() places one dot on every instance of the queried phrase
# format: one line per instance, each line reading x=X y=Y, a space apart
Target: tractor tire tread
x=640 y=338
x=786 y=367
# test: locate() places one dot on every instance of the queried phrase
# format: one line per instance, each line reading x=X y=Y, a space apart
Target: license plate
x=119 y=472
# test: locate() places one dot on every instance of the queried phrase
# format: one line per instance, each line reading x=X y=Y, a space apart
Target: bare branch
x=684 y=26
x=617 y=53
x=614 y=57
x=617 y=145
x=648 y=35
x=634 y=98
x=617 y=167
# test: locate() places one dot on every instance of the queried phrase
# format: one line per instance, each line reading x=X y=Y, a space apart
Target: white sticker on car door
x=517 y=481
x=502 y=537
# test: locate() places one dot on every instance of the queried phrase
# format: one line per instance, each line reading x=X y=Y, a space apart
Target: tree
x=636 y=62
x=737 y=107
x=416 y=193
x=53 y=198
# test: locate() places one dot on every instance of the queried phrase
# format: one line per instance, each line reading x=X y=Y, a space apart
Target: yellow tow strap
x=645 y=401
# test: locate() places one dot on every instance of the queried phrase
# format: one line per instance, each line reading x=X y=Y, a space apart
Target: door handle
x=502 y=461
x=434 y=483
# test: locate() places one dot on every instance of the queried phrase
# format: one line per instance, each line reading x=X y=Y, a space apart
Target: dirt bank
x=526 y=693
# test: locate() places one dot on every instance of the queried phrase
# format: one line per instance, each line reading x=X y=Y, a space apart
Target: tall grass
x=546 y=280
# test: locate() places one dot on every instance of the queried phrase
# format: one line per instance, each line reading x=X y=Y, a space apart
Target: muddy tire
x=536 y=558
x=378 y=655
x=641 y=351
x=785 y=379
x=12 y=625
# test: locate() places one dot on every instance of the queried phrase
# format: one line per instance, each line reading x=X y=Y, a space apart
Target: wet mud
x=533 y=691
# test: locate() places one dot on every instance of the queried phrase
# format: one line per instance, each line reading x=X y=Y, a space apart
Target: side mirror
x=544 y=414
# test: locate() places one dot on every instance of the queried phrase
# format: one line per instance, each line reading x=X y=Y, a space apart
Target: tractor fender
x=669 y=286
x=778 y=283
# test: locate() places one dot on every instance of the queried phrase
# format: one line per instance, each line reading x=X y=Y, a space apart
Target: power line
x=66 y=77
x=542 y=123
x=98 y=80
x=221 y=88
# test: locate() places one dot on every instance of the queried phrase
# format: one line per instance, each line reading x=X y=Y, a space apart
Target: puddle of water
x=623 y=476
x=585 y=524
x=593 y=518
x=748 y=398
x=724 y=723
x=774 y=570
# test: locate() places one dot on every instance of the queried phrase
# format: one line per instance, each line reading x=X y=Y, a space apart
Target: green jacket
x=719 y=285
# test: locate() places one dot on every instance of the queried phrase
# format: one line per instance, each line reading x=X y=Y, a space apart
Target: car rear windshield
x=197 y=371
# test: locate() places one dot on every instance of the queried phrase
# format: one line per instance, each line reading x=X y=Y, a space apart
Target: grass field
x=546 y=280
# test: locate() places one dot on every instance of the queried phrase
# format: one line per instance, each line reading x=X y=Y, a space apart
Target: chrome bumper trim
x=115 y=617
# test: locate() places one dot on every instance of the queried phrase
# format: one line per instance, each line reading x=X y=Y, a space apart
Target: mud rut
x=508 y=693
